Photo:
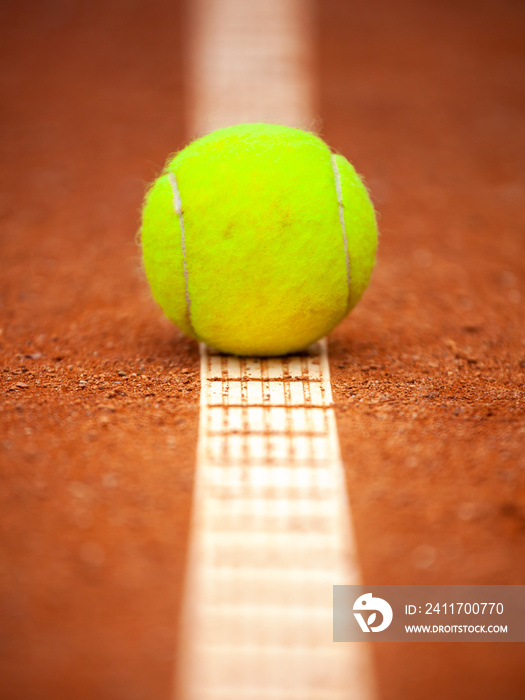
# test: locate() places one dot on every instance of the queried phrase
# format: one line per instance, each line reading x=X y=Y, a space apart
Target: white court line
x=271 y=536
x=271 y=530
x=250 y=61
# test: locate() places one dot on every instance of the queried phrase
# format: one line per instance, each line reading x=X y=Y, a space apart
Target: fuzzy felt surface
x=254 y=260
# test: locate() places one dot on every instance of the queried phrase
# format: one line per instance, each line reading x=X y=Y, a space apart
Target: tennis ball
x=257 y=240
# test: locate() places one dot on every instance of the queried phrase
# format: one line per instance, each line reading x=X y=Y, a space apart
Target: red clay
x=100 y=394
x=428 y=99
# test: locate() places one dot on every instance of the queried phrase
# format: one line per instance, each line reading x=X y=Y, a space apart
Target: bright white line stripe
x=250 y=61
x=271 y=527
x=271 y=536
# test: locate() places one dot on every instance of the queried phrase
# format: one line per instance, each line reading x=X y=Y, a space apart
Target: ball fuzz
x=257 y=240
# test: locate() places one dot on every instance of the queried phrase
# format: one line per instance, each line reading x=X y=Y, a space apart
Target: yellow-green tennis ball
x=257 y=239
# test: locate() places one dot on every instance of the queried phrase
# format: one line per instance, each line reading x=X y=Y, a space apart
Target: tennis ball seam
x=341 y=208
x=177 y=205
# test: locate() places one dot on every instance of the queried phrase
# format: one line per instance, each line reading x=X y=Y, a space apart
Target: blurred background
x=99 y=410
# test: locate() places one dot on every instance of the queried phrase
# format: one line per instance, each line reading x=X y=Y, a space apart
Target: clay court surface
x=100 y=393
